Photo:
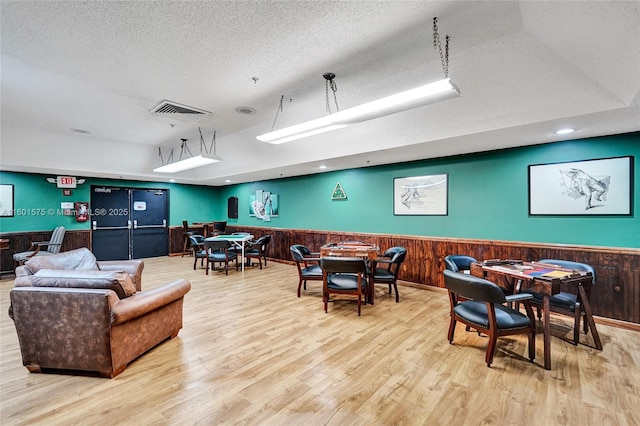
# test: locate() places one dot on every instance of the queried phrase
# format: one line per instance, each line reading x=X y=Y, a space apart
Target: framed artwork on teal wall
x=589 y=187
x=263 y=205
x=421 y=195
x=6 y=200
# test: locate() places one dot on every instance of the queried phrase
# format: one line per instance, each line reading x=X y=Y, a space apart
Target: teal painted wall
x=37 y=202
x=488 y=198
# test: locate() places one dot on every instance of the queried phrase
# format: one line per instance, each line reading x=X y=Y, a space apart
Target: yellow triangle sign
x=338 y=193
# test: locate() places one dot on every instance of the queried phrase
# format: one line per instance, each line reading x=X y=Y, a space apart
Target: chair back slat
x=347 y=265
x=471 y=287
x=458 y=262
x=56 y=240
x=216 y=245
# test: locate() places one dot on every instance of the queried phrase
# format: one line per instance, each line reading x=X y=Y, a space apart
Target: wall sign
x=140 y=206
x=338 y=193
x=66 y=182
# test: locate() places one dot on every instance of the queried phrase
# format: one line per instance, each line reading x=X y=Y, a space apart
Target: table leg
x=590 y=321
x=372 y=290
x=242 y=248
x=547 y=333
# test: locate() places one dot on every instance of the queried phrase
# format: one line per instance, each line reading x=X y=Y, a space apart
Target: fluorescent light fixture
x=188 y=163
x=302 y=130
x=565 y=131
x=423 y=95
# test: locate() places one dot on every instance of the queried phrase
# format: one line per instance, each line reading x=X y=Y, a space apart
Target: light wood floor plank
x=253 y=353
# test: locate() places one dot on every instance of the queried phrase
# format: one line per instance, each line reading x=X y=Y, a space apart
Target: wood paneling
x=616 y=295
x=21 y=241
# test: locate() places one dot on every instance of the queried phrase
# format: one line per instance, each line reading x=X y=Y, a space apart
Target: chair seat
x=506 y=318
x=383 y=274
x=221 y=257
x=562 y=300
x=312 y=271
x=344 y=282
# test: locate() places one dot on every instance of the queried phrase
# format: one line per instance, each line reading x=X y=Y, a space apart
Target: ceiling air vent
x=176 y=111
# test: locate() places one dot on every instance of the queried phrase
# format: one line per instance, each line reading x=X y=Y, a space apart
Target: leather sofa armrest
x=22 y=271
x=144 y=302
x=132 y=267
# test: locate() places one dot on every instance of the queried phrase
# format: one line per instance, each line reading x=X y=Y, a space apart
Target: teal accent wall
x=488 y=199
x=37 y=202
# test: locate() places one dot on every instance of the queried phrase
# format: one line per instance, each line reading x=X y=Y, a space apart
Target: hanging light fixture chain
x=330 y=83
x=273 y=126
x=203 y=146
x=444 y=57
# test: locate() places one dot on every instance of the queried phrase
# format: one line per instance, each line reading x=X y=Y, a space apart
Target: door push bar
x=135 y=225
x=96 y=228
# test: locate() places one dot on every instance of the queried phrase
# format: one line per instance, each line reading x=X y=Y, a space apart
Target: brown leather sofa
x=90 y=319
x=82 y=259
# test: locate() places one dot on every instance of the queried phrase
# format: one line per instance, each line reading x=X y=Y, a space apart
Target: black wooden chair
x=258 y=250
x=478 y=303
x=459 y=262
x=186 y=233
x=392 y=258
x=343 y=275
x=308 y=265
x=197 y=249
x=218 y=252
x=220 y=227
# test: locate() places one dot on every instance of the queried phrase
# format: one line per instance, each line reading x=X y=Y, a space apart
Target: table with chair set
x=236 y=240
x=339 y=266
x=205 y=229
x=355 y=249
x=225 y=248
x=542 y=282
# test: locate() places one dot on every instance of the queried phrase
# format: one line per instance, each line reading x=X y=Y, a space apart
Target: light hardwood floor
x=253 y=353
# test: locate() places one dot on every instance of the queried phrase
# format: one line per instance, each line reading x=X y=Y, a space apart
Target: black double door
x=129 y=223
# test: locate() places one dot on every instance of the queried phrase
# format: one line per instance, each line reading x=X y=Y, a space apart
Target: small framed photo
x=421 y=195
x=589 y=187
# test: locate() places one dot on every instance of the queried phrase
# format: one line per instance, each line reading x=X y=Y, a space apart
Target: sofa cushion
x=119 y=282
x=78 y=259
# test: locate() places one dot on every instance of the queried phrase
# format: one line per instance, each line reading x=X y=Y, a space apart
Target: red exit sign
x=66 y=182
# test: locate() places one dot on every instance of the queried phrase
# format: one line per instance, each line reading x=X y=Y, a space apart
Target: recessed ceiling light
x=565 y=131
x=227 y=181
x=245 y=110
x=172 y=180
x=322 y=167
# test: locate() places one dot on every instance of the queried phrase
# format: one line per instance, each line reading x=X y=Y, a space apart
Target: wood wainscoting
x=616 y=295
x=21 y=241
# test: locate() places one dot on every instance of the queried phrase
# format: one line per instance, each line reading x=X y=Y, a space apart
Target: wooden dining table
x=366 y=251
x=546 y=280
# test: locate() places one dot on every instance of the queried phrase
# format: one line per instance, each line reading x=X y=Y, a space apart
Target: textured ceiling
x=524 y=69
